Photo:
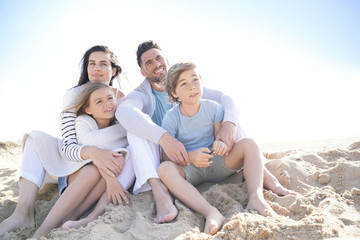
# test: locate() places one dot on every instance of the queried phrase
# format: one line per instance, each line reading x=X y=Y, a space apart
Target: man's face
x=154 y=65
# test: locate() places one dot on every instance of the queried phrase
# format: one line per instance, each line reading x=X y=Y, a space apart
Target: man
x=141 y=114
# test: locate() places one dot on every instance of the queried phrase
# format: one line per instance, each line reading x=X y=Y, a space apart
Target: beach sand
x=325 y=173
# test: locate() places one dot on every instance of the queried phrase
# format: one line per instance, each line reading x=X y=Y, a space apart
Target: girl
x=43 y=153
x=196 y=122
x=95 y=125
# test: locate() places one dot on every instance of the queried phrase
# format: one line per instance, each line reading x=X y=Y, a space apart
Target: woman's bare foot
x=16 y=221
x=214 y=221
x=165 y=208
x=259 y=204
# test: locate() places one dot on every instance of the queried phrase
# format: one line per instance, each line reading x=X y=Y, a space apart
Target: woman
x=43 y=153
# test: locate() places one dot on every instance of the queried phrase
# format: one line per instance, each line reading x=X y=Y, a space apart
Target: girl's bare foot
x=16 y=221
x=76 y=224
x=214 y=221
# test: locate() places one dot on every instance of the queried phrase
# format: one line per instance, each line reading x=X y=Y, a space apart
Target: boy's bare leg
x=165 y=208
x=174 y=178
x=246 y=153
x=23 y=215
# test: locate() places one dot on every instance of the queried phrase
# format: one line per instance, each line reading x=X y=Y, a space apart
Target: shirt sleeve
x=70 y=146
x=231 y=112
x=133 y=117
x=170 y=124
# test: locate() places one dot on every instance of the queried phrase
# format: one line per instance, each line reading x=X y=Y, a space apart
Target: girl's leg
x=246 y=153
x=87 y=177
x=31 y=177
x=173 y=177
x=90 y=199
x=126 y=179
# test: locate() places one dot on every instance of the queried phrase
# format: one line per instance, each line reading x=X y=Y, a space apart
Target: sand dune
x=326 y=177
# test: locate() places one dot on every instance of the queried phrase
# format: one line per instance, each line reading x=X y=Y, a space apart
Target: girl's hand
x=201 y=157
x=115 y=192
x=219 y=148
x=107 y=161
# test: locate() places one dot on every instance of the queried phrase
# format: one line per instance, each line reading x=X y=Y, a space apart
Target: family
x=168 y=135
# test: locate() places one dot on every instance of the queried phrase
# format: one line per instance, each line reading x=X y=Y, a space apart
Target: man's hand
x=201 y=157
x=227 y=135
x=174 y=149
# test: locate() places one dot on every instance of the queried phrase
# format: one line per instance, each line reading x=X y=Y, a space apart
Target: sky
x=293 y=67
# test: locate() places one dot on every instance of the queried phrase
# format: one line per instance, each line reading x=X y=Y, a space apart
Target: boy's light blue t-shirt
x=197 y=131
x=162 y=106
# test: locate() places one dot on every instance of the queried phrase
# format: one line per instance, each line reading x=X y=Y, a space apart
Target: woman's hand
x=107 y=161
x=201 y=157
x=219 y=148
x=115 y=192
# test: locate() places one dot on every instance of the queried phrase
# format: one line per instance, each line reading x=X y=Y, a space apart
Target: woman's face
x=99 y=68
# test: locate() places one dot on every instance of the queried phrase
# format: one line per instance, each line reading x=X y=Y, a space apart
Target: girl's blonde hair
x=172 y=78
x=83 y=101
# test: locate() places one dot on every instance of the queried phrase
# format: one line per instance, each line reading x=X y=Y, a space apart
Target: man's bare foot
x=16 y=221
x=165 y=208
x=260 y=205
x=214 y=221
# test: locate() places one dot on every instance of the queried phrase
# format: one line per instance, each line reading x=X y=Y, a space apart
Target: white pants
x=31 y=166
x=146 y=160
x=33 y=170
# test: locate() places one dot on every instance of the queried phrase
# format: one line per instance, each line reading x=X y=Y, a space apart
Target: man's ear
x=143 y=72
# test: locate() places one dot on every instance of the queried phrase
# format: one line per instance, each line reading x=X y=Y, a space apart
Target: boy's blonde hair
x=172 y=78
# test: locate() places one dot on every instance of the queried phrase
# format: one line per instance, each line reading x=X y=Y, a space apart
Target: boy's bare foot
x=260 y=205
x=16 y=221
x=165 y=208
x=271 y=183
x=214 y=221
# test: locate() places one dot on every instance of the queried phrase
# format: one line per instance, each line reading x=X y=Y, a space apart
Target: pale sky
x=293 y=67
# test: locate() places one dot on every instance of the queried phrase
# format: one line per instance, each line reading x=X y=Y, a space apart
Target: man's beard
x=157 y=80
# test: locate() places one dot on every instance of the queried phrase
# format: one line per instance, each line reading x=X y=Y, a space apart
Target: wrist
x=163 y=138
x=87 y=151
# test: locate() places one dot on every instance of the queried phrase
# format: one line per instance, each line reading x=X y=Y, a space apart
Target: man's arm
x=227 y=133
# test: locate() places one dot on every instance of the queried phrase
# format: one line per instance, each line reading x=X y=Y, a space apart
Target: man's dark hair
x=143 y=47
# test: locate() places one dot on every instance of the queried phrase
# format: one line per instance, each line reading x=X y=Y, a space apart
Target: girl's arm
x=104 y=159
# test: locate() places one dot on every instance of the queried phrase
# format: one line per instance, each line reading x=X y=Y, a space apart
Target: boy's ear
x=174 y=94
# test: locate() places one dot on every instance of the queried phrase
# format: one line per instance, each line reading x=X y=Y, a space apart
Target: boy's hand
x=219 y=148
x=227 y=135
x=201 y=157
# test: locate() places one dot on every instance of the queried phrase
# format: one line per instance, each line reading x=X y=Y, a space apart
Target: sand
x=326 y=174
